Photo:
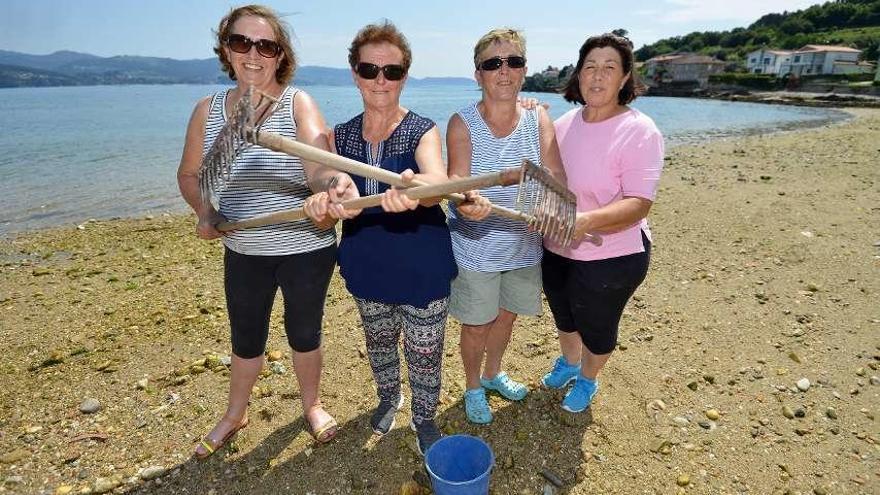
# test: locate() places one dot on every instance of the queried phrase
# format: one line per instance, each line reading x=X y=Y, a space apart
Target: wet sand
x=765 y=272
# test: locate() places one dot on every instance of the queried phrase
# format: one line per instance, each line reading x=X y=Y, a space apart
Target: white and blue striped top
x=265 y=181
x=497 y=244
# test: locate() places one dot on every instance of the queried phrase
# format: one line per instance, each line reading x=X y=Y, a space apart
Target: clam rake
x=542 y=202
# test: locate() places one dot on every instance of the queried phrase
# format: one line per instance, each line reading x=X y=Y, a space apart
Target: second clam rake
x=544 y=204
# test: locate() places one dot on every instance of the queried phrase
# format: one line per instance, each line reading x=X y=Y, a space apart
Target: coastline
x=162 y=198
x=764 y=272
x=795 y=98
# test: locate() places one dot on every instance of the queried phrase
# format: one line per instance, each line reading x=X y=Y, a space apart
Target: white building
x=682 y=67
x=819 y=59
x=766 y=61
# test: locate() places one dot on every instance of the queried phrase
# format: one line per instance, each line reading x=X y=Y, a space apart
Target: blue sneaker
x=477 y=407
x=508 y=388
x=561 y=374
x=581 y=395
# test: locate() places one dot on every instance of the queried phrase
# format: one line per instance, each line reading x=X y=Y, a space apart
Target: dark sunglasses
x=240 y=43
x=494 y=63
x=392 y=72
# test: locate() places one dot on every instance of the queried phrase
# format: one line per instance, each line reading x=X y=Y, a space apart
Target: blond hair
x=500 y=35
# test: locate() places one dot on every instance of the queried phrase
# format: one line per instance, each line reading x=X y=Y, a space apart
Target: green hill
x=854 y=23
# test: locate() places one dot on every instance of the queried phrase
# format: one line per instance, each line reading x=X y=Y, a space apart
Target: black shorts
x=588 y=297
x=251 y=283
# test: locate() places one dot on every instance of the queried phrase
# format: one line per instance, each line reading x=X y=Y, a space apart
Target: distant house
x=551 y=73
x=847 y=67
x=821 y=59
x=766 y=61
x=681 y=68
x=655 y=68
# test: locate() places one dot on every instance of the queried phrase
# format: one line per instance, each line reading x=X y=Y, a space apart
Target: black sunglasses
x=392 y=72
x=240 y=43
x=494 y=63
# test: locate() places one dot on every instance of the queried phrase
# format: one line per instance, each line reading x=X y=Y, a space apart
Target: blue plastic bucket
x=460 y=465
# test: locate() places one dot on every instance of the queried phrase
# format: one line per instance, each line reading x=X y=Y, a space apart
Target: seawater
x=73 y=153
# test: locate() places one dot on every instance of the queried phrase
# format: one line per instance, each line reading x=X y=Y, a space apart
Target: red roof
x=695 y=59
x=828 y=48
x=666 y=58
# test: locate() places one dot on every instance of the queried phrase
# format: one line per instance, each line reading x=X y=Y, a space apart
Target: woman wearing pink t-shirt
x=612 y=156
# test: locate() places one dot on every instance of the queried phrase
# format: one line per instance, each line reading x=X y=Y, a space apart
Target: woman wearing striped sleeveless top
x=254 y=48
x=498 y=259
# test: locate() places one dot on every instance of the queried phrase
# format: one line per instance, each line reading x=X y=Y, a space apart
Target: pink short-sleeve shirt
x=604 y=162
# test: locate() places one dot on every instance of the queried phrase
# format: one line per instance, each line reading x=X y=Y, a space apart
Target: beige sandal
x=210 y=446
x=324 y=432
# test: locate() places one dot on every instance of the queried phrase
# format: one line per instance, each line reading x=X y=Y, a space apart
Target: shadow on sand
x=527 y=437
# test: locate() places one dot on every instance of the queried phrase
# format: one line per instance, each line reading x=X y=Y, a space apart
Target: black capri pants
x=588 y=297
x=251 y=283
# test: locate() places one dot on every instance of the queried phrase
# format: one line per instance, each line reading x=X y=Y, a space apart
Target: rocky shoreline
x=749 y=361
x=825 y=100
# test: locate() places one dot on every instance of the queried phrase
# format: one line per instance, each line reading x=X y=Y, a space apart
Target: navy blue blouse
x=393 y=258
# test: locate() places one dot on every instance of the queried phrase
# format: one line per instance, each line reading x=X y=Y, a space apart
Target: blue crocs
x=581 y=395
x=561 y=374
x=476 y=406
x=505 y=386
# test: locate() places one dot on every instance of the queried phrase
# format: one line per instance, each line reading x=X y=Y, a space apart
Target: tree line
x=853 y=23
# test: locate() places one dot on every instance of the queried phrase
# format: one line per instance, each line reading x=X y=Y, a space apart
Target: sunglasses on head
x=392 y=72
x=494 y=63
x=240 y=43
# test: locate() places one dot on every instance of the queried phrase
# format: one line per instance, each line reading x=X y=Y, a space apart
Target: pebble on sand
x=104 y=485
x=90 y=406
x=713 y=414
x=803 y=384
x=683 y=480
x=152 y=472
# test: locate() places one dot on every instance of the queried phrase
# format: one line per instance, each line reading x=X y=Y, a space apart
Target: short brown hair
x=286 y=66
x=384 y=32
x=499 y=35
x=632 y=88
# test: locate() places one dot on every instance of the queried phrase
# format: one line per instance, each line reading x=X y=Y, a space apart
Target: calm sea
x=70 y=154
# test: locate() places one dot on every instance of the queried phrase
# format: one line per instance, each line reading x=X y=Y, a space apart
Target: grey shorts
x=477 y=296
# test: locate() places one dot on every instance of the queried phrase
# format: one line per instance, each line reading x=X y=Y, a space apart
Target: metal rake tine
x=542 y=207
x=562 y=227
x=231 y=140
x=572 y=219
x=520 y=193
x=533 y=196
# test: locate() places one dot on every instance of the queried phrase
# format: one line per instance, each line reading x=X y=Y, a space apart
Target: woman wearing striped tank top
x=498 y=259
x=254 y=48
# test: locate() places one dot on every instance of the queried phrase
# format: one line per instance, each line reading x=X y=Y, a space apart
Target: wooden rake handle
x=505 y=177
x=306 y=152
x=276 y=142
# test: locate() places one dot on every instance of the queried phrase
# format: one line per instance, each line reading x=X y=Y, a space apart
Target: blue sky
x=441 y=33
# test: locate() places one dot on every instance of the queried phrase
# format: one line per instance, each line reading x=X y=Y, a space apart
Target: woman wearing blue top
x=396 y=260
x=499 y=260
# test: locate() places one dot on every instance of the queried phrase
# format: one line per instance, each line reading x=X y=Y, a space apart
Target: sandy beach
x=748 y=362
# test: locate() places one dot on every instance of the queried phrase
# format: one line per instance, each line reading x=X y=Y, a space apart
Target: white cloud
x=682 y=11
